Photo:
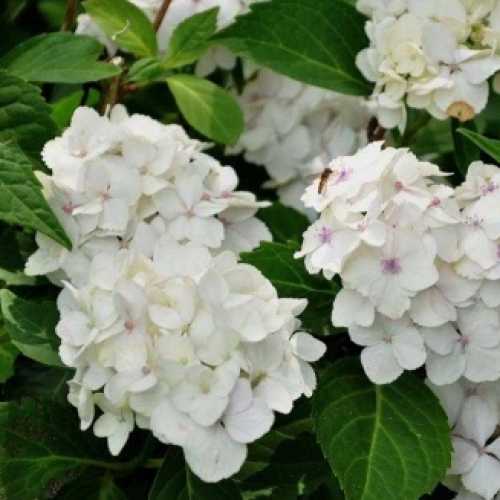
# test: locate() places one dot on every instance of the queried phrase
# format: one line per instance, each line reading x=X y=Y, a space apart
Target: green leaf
x=208 y=108
x=58 y=58
x=149 y=69
x=42 y=447
x=387 y=441
x=14 y=250
x=293 y=463
x=89 y=487
x=37 y=381
x=24 y=115
x=314 y=41
x=63 y=109
x=490 y=146
x=8 y=355
x=21 y=198
x=125 y=24
x=31 y=326
x=285 y=223
x=16 y=247
x=289 y=276
x=433 y=140
x=190 y=38
x=465 y=151
x=175 y=480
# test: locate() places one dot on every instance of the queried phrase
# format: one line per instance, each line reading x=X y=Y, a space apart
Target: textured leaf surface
x=285 y=223
x=294 y=463
x=125 y=24
x=289 y=276
x=389 y=442
x=175 y=480
x=37 y=381
x=91 y=487
x=208 y=108
x=24 y=115
x=190 y=38
x=31 y=326
x=490 y=146
x=315 y=41
x=21 y=198
x=58 y=58
x=42 y=447
x=8 y=355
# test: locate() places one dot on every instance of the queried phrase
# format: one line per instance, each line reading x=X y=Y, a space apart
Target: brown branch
x=161 y=14
x=111 y=91
x=70 y=15
x=110 y=95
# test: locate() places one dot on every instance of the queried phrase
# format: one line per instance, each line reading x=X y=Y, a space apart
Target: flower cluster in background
x=178 y=11
x=420 y=268
x=163 y=326
x=292 y=129
x=432 y=55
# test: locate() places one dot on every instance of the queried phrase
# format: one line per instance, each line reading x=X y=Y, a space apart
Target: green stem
x=153 y=463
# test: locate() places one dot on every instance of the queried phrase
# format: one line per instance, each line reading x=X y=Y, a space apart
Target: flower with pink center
x=325 y=235
x=472 y=352
x=489 y=188
x=390 y=347
x=391 y=275
x=343 y=174
x=391 y=266
x=435 y=202
x=476 y=447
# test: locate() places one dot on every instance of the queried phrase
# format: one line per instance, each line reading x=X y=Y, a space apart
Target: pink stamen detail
x=129 y=325
x=391 y=266
x=491 y=187
x=205 y=197
x=464 y=341
x=325 y=235
x=435 y=202
x=398 y=185
x=343 y=175
x=68 y=208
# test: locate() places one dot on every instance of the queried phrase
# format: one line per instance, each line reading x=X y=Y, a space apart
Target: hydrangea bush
x=250 y=249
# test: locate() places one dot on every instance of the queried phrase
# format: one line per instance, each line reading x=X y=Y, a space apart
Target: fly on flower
x=325 y=175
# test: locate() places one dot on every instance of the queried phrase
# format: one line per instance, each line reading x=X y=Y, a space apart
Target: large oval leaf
x=315 y=41
x=207 y=107
x=125 y=24
x=21 y=198
x=58 y=58
x=390 y=441
x=24 y=115
x=42 y=447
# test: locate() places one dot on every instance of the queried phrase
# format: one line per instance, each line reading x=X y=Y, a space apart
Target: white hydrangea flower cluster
x=292 y=129
x=420 y=268
x=123 y=181
x=178 y=11
x=163 y=326
x=435 y=55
